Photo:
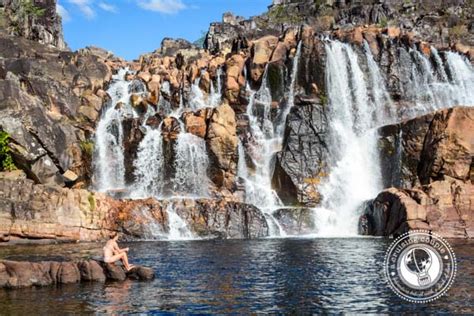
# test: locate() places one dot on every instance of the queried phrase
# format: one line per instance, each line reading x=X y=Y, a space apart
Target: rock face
x=300 y=166
x=297 y=221
x=429 y=159
x=444 y=207
x=45 y=95
x=428 y=148
x=35 y=20
x=30 y=212
x=221 y=219
x=21 y=274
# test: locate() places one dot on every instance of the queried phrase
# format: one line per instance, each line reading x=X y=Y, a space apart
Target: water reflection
x=282 y=275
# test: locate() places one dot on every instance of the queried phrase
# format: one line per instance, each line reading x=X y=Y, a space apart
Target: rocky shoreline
x=22 y=274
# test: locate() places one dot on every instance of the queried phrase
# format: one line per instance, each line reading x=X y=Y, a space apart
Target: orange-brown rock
x=234 y=79
x=22 y=274
x=262 y=50
x=195 y=122
x=445 y=207
x=433 y=146
x=170 y=128
x=222 y=139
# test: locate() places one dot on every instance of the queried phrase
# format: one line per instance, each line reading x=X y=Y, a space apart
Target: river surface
x=269 y=275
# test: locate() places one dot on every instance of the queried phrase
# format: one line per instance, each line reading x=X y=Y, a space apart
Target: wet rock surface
x=444 y=207
x=22 y=274
x=428 y=148
x=296 y=221
x=51 y=100
x=32 y=212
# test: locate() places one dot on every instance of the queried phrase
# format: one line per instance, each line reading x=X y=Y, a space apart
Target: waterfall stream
x=354 y=173
x=109 y=157
x=266 y=137
x=358 y=104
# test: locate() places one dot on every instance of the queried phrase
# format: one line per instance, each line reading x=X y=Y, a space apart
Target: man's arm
x=118 y=250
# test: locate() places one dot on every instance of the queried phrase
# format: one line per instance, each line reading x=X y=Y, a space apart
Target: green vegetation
x=324 y=99
x=278 y=14
x=27 y=10
x=458 y=31
x=383 y=22
x=92 y=203
x=30 y=9
x=87 y=147
x=6 y=160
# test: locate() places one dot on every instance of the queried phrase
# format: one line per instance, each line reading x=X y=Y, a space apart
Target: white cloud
x=163 y=6
x=63 y=13
x=108 y=7
x=85 y=6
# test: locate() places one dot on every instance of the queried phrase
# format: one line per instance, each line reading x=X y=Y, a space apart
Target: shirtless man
x=113 y=253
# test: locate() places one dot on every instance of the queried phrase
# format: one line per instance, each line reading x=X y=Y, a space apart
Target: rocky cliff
x=35 y=20
x=270 y=129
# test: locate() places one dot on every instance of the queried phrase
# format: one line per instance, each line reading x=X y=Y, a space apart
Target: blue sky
x=133 y=27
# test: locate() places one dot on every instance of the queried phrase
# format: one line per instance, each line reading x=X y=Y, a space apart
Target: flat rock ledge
x=23 y=274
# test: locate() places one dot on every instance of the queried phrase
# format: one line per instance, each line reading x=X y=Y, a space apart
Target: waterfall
x=266 y=137
x=383 y=109
x=437 y=85
x=354 y=171
x=291 y=93
x=164 y=106
x=197 y=99
x=215 y=97
x=178 y=229
x=149 y=166
x=358 y=104
x=191 y=165
x=109 y=169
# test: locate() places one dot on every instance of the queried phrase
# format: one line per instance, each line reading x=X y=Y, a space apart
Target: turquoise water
x=270 y=275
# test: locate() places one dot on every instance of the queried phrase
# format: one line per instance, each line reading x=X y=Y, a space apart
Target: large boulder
x=221 y=219
x=444 y=207
x=222 y=139
x=141 y=274
x=262 y=50
x=301 y=164
x=91 y=271
x=114 y=272
x=295 y=221
x=22 y=274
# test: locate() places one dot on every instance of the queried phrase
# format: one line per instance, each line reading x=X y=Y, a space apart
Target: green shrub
x=458 y=31
x=30 y=9
x=383 y=22
x=87 y=147
x=92 y=203
x=6 y=160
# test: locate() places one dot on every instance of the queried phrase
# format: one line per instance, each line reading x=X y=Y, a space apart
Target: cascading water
x=197 y=99
x=191 y=165
x=356 y=109
x=178 y=229
x=354 y=173
x=109 y=169
x=438 y=85
x=149 y=166
x=265 y=141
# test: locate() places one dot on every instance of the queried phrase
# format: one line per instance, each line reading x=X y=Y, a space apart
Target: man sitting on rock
x=113 y=253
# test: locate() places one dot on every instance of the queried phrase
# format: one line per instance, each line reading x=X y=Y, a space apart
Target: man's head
x=114 y=236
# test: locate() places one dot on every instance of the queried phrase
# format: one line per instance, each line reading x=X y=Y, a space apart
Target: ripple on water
x=271 y=275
